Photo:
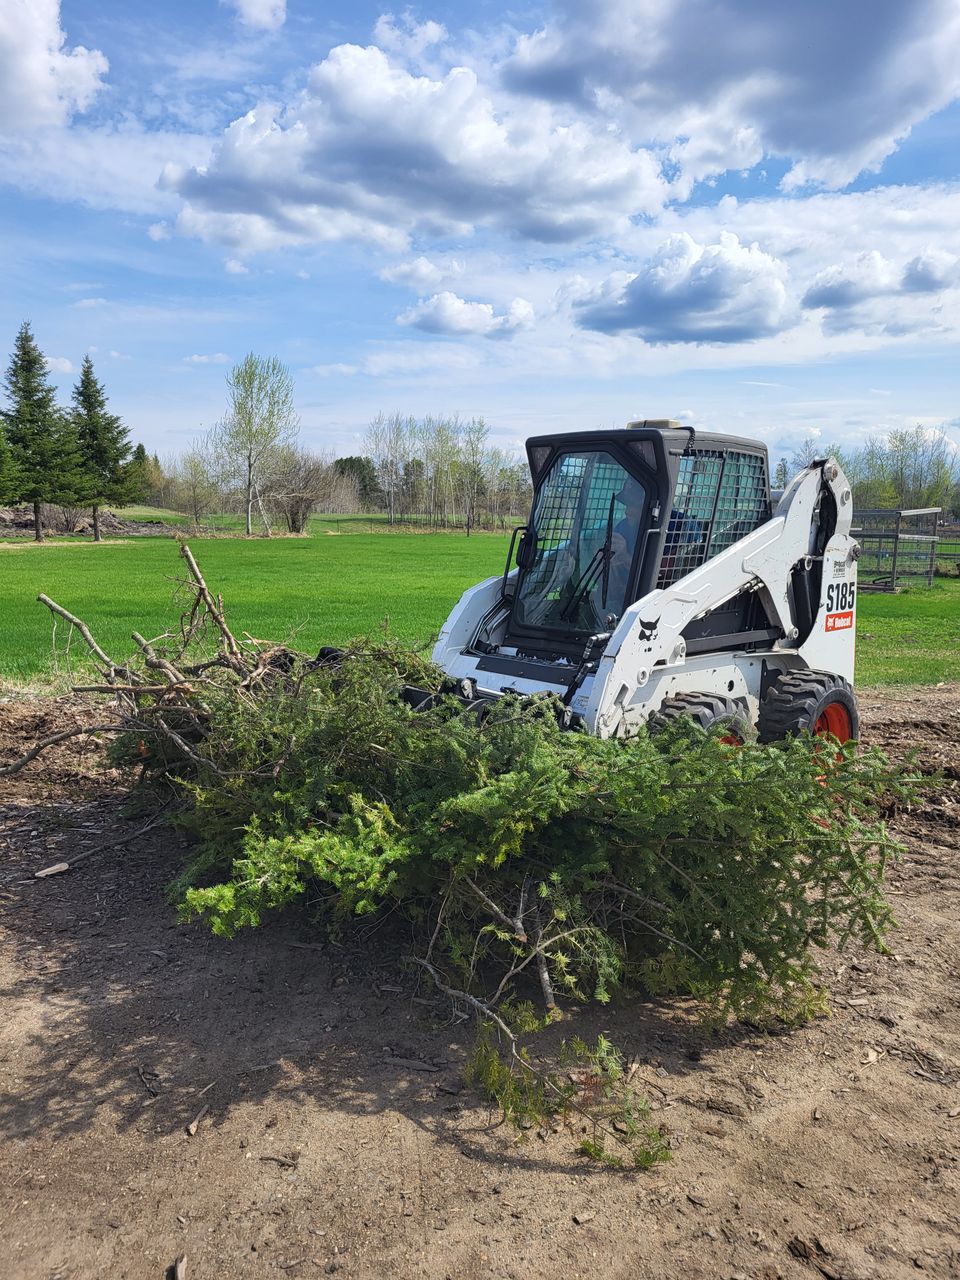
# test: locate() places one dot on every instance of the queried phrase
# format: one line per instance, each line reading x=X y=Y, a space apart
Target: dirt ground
x=334 y=1133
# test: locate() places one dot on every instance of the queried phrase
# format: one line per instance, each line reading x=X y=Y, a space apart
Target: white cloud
x=931 y=272
x=60 y=364
x=42 y=81
x=265 y=14
x=869 y=275
x=219 y=357
x=415 y=359
x=832 y=88
x=334 y=370
x=372 y=152
x=159 y=231
x=688 y=292
x=421 y=274
x=407 y=38
x=111 y=166
x=88 y=304
x=870 y=294
x=234 y=267
x=449 y=314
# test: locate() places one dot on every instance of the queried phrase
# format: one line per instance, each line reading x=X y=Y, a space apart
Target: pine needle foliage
x=594 y=1098
x=524 y=853
x=521 y=854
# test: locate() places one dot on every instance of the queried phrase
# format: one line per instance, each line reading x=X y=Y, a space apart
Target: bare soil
x=334 y=1135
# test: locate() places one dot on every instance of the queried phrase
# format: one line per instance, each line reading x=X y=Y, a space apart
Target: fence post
x=896 y=552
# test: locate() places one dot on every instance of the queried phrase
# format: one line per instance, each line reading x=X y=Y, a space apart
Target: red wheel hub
x=834 y=719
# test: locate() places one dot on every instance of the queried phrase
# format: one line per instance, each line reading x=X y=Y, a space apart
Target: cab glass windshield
x=586 y=522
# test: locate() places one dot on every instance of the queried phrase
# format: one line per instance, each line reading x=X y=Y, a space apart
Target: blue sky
x=740 y=213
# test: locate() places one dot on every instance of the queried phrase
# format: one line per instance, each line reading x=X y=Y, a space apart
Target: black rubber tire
x=711 y=711
x=796 y=701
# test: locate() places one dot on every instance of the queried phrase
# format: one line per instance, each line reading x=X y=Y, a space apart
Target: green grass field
x=363 y=522
x=310 y=591
x=326 y=589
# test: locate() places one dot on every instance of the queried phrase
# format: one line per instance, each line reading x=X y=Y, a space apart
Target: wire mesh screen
x=586 y=521
x=557 y=503
x=743 y=502
x=720 y=497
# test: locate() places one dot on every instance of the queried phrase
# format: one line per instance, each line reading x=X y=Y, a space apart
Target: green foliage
x=40 y=435
x=525 y=1096
x=672 y=861
x=9 y=473
x=104 y=442
x=364 y=475
x=594 y=1092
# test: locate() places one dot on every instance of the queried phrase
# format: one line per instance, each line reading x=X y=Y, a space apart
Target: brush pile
x=526 y=859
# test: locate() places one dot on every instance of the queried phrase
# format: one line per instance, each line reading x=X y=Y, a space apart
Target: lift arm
x=649 y=634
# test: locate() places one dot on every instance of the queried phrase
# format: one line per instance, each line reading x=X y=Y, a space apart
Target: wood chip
x=719 y=1104
x=180 y=1268
x=52 y=871
x=194 y=1124
x=581 y=1218
x=953 y=1113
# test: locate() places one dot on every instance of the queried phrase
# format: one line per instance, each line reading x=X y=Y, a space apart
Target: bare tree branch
x=9 y=769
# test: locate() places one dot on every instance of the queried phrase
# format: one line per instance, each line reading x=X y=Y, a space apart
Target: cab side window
x=720 y=497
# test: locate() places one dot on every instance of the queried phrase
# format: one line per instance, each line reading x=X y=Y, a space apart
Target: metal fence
x=896 y=546
x=948 y=549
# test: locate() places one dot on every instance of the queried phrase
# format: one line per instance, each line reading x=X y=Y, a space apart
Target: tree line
x=434 y=472
x=902 y=469
x=72 y=456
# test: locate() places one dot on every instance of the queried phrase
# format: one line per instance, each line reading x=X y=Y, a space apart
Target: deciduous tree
x=260 y=420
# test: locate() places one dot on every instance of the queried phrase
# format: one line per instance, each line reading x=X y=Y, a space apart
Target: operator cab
x=615 y=515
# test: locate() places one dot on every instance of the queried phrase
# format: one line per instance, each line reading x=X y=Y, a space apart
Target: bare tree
x=301 y=482
x=388 y=446
x=260 y=420
x=194 y=482
x=473 y=436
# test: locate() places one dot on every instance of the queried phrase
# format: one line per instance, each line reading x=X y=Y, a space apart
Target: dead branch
x=465 y=996
x=543 y=969
x=515 y=926
x=152 y=689
x=215 y=610
x=85 y=632
x=9 y=769
x=155 y=662
x=129 y=838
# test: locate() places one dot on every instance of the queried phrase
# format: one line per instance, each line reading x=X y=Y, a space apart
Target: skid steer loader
x=657 y=578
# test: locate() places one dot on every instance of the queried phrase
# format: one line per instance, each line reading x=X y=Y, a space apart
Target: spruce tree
x=40 y=435
x=137 y=473
x=104 y=445
x=8 y=472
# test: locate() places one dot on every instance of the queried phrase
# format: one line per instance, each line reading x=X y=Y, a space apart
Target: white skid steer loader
x=656 y=579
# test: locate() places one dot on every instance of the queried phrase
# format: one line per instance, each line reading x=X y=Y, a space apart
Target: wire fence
x=898 y=547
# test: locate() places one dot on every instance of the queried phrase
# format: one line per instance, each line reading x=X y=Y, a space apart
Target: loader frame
x=795 y=573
